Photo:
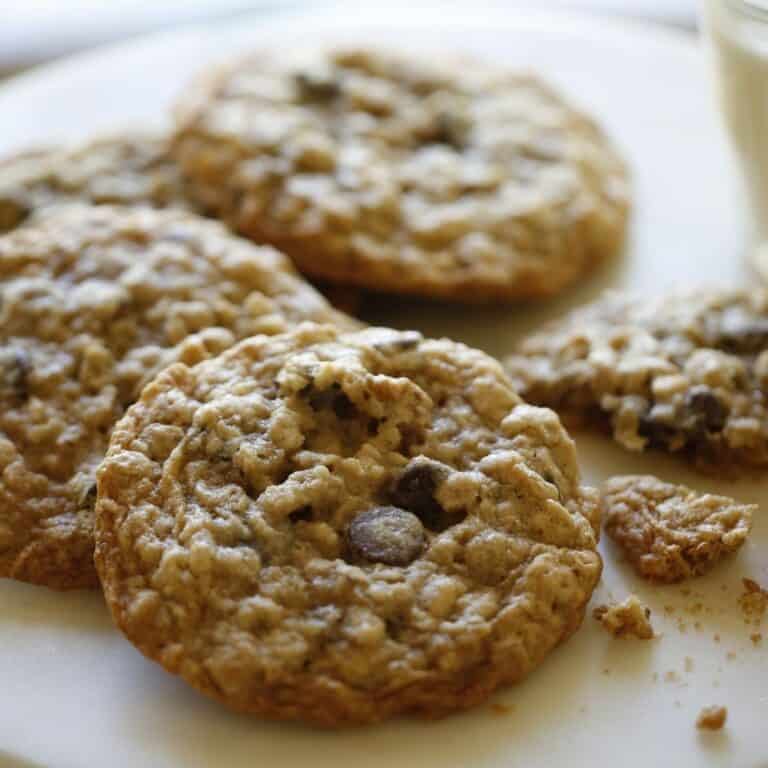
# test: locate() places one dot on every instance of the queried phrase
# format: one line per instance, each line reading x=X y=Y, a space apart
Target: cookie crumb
x=731 y=655
x=756 y=638
x=630 y=617
x=670 y=532
x=688 y=664
x=671 y=676
x=712 y=718
x=716 y=638
x=753 y=602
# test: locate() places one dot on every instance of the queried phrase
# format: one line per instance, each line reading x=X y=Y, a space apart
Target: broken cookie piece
x=683 y=373
x=712 y=718
x=669 y=532
x=630 y=617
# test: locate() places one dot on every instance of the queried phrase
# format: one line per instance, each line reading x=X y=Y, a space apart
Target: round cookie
x=339 y=528
x=125 y=169
x=452 y=179
x=93 y=301
x=685 y=373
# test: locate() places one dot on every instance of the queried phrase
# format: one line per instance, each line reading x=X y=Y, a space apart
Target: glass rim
x=754 y=9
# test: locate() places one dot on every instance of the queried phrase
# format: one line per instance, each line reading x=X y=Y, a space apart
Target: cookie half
x=93 y=301
x=128 y=169
x=398 y=173
x=670 y=532
x=685 y=373
x=338 y=528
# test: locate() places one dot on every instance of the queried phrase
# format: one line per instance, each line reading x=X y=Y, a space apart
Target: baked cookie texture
x=339 y=528
x=93 y=302
x=127 y=169
x=453 y=179
x=133 y=169
x=686 y=373
x=669 y=532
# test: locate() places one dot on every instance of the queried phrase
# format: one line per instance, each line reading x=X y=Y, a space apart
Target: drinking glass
x=736 y=35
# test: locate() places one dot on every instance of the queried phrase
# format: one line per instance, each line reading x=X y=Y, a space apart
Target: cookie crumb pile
x=627 y=618
x=669 y=532
x=343 y=527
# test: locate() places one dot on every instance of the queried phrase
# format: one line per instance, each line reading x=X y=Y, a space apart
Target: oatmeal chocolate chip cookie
x=131 y=169
x=93 y=300
x=392 y=172
x=669 y=532
x=342 y=527
x=684 y=373
x=126 y=170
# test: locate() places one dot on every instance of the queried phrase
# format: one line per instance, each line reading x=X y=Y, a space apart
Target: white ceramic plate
x=74 y=693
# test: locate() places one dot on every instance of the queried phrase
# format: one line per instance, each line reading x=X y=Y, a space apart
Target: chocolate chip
x=708 y=409
x=332 y=399
x=740 y=333
x=415 y=488
x=373 y=426
x=301 y=515
x=12 y=213
x=87 y=498
x=317 y=87
x=658 y=434
x=450 y=129
x=410 y=436
x=386 y=535
x=343 y=407
x=15 y=374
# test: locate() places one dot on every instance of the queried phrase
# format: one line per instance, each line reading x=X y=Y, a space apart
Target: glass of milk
x=737 y=35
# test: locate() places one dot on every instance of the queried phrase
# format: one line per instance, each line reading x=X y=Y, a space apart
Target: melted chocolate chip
x=656 y=432
x=449 y=129
x=708 y=409
x=12 y=213
x=87 y=498
x=332 y=399
x=386 y=535
x=15 y=375
x=314 y=87
x=301 y=515
x=410 y=436
x=415 y=488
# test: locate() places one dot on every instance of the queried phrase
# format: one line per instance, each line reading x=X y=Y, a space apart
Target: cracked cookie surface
x=339 y=528
x=393 y=172
x=683 y=373
x=669 y=532
x=93 y=300
x=129 y=169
